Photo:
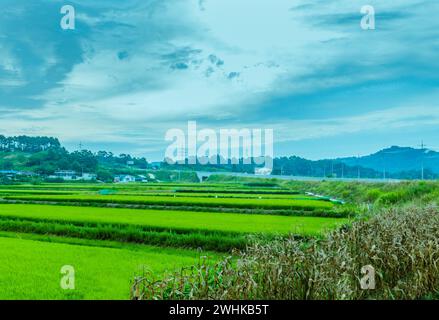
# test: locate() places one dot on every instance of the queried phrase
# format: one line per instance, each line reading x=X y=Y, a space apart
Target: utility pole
x=332 y=168
x=422 y=159
x=82 y=167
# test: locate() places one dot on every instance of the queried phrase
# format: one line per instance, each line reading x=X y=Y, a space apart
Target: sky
x=133 y=69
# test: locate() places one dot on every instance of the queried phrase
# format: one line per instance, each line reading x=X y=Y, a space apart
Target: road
x=202 y=174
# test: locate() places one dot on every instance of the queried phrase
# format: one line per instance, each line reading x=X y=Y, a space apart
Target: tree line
x=45 y=156
x=27 y=144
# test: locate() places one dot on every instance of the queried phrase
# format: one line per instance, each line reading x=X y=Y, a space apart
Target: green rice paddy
x=31 y=269
x=44 y=227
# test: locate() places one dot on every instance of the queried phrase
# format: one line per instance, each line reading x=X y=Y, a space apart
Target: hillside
x=397 y=159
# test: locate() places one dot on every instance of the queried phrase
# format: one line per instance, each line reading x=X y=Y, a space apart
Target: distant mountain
x=331 y=168
x=397 y=159
x=391 y=163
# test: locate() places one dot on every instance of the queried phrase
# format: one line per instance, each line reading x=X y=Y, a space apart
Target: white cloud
x=128 y=84
x=384 y=121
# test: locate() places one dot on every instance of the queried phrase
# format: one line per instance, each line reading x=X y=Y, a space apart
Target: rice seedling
x=30 y=269
x=291 y=204
x=176 y=220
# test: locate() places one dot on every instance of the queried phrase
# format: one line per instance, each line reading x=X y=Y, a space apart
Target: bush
x=104 y=175
x=372 y=195
x=392 y=198
x=423 y=192
x=401 y=245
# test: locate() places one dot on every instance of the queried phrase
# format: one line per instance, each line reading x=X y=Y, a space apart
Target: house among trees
x=11 y=174
x=156 y=165
x=124 y=178
x=8 y=173
x=88 y=177
x=66 y=175
x=69 y=175
x=141 y=178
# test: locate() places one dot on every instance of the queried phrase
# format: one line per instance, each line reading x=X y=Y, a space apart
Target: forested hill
x=398 y=159
x=45 y=155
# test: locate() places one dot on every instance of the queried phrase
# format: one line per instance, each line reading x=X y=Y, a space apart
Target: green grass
x=236 y=190
x=291 y=204
x=105 y=244
x=31 y=269
x=158 y=193
x=33 y=192
x=217 y=241
x=137 y=186
x=226 y=222
x=226 y=195
x=230 y=188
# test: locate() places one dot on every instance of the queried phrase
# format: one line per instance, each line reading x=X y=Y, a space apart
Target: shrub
x=392 y=198
x=401 y=244
x=372 y=195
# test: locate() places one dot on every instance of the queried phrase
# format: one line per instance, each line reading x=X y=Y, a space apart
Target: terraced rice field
x=47 y=226
x=182 y=201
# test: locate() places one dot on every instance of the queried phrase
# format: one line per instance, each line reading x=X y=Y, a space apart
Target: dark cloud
x=179 y=66
x=41 y=51
x=215 y=60
x=233 y=75
x=122 y=55
x=182 y=58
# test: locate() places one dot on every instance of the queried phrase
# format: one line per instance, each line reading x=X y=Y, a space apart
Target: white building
x=69 y=175
x=124 y=178
x=88 y=177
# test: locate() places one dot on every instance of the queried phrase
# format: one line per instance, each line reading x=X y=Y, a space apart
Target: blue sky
x=133 y=69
